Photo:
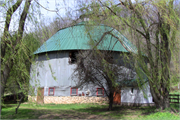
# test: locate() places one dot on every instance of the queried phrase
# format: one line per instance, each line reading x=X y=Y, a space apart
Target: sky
x=46 y=8
x=62 y=5
x=46 y=16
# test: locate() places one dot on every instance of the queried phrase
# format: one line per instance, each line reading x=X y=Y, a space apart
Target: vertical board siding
x=60 y=77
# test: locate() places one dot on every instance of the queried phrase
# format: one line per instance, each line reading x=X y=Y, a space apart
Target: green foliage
x=52 y=73
x=19 y=75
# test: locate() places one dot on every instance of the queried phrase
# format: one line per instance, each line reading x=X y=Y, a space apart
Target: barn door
x=117 y=97
x=40 y=95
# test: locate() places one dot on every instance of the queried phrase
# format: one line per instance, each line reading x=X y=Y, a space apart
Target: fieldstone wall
x=70 y=99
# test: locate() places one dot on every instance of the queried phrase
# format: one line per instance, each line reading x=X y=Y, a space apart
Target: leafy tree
x=154 y=27
x=17 y=48
x=10 y=43
x=22 y=64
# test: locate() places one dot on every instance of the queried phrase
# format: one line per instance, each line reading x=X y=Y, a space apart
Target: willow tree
x=10 y=43
x=17 y=47
x=13 y=49
x=154 y=28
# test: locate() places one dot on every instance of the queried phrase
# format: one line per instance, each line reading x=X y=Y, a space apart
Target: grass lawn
x=85 y=111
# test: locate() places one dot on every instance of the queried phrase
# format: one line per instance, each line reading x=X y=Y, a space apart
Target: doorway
x=40 y=95
x=117 y=97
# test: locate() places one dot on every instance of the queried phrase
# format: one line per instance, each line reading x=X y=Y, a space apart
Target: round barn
x=56 y=61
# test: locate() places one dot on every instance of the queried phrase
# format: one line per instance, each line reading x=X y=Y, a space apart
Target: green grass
x=84 y=111
x=160 y=116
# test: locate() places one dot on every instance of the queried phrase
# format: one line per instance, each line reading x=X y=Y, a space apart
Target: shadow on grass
x=118 y=111
x=175 y=106
x=47 y=114
x=76 y=111
x=6 y=106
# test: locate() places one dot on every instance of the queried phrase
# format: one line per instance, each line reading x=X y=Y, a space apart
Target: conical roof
x=83 y=36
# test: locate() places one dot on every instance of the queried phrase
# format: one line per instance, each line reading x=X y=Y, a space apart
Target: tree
x=97 y=68
x=17 y=47
x=10 y=43
x=44 y=31
x=154 y=26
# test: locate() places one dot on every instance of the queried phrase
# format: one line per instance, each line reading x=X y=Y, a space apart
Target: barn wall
x=56 y=72
x=136 y=97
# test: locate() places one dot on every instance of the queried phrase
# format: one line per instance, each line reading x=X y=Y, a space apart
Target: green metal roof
x=82 y=36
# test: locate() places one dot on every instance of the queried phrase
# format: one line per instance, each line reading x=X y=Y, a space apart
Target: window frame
x=102 y=91
x=49 y=91
x=76 y=91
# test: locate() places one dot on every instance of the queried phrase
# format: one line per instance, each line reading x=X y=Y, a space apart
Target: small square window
x=100 y=92
x=51 y=91
x=74 y=91
x=72 y=57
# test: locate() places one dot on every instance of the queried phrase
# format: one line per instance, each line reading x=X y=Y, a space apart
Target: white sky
x=46 y=16
x=62 y=5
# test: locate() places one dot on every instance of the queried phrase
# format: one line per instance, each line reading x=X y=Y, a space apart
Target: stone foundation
x=81 y=99
x=32 y=98
x=70 y=99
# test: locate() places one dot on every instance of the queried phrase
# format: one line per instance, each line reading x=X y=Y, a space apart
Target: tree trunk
x=4 y=77
x=110 y=100
x=160 y=97
x=22 y=97
x=166 y=102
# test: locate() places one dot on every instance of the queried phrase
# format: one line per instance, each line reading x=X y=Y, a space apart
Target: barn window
x=100 y=92
x=51 y=91
x=37 y=72
x=132 y=90
x=72 y=57
x=74 y=91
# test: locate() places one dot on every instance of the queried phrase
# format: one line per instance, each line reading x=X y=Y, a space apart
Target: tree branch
x=9 y=13
x=121 y=18
x=46 y=8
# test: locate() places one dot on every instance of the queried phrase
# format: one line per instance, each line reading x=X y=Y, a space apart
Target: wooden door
x=40 y=95
x=117 y=97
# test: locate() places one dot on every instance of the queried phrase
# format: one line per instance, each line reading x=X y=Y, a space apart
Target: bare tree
x=100 y=69
x=44 y=31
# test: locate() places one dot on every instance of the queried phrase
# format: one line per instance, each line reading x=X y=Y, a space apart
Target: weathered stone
x=70 y=99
